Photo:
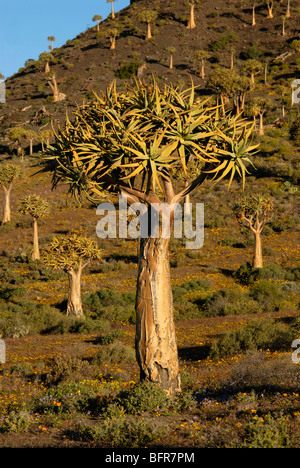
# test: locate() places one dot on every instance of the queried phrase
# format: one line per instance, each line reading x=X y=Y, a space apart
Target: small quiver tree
x=36 y=207
x=72 y=254
x=172 y=52
x=8 y=174
x=16 y=135
x=97 y=18
x=128 y=143
x=148 y=16
x=202 y=56
x=254 y=212
x=112 y=8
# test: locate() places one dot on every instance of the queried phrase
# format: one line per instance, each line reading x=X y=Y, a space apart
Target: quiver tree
x=229 y=85
x=72 y=254
x=44 y=137
x=254 y=212
x=97 y=18
x=270 y=6
x=113 y=33
x=52 y=82
x=172 y=52
x=148 y=16
x=8 y=174
x=112 y=8
x=51 y=39
x=30 y=135
x=252 y=67
x=191 y=23
x=284 y=18
x=44 y=59
x=202 y=56
x=16 y=135
x=127 y=143
x=259 y=106
x=36 y=207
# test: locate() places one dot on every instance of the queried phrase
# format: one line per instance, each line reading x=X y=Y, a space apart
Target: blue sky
x=26 y=24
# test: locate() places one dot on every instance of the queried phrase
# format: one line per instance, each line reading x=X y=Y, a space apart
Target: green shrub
x=121 y=433
x=255 y=370
x=267 y=432
x=248 y=275
x=15 y=421
x=228 y=301
x=268 y=294
x=143 y=397
x=223 y=42
x=114 y=353
x=111 y=337
x=66 y=398
x=260 y=335
x=127 y=70
x=68 y=368
x=108 y=304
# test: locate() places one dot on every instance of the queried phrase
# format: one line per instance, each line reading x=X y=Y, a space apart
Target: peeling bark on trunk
x=36 y=249
x=156 y=346
x=257 y=257
x=6 y=210
x=74 y=307
x=191 y=23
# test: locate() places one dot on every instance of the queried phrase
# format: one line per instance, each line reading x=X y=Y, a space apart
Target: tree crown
x=34 y=206
x=8 y=173
x=97 y=18
x=71 y=251
x=147 y=16
x=129 y=142
x=254 y=205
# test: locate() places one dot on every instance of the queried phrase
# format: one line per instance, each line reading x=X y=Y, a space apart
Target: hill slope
x=86 y=62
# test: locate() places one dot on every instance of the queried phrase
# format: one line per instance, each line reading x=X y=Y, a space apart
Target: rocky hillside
x=87 y=63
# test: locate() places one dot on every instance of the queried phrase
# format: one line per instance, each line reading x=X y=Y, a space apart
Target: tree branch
x=193 y=185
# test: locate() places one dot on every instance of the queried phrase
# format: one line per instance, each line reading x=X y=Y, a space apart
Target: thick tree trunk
x=270 y=11
x=261 y=125
x=74 y=307
x=36 y=248
x=112 y=43
x=156 y=346
x=253 y=16
x=191 y=23
x=149 y=33
x=57 y=95
x=6 y=210
x=257 y=257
